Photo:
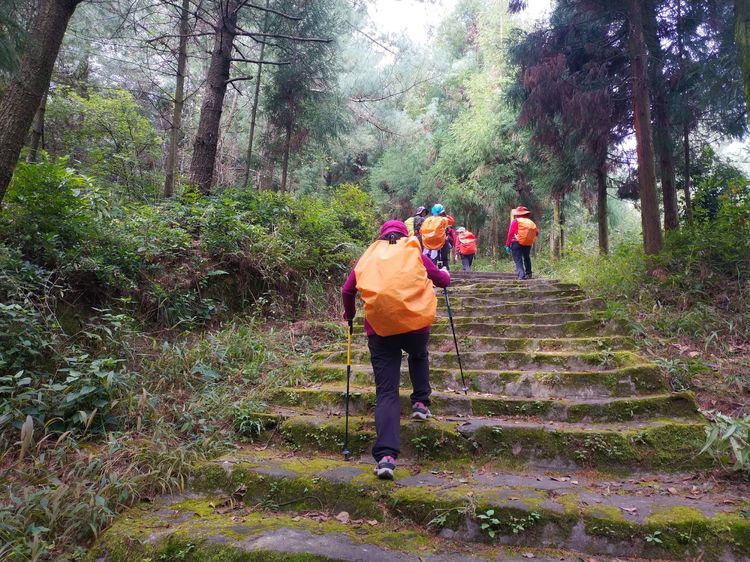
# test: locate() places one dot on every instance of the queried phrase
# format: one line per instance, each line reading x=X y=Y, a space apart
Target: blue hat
x=437 y=208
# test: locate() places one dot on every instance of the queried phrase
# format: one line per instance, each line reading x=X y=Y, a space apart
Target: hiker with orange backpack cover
x=437 y=236
x=397 y=283
x=521 y=236
x=466 y=248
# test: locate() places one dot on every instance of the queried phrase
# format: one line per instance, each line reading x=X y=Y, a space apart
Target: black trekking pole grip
x=455 y=340
x=348 y=377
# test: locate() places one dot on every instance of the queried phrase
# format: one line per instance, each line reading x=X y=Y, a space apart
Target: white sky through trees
x=419 y=19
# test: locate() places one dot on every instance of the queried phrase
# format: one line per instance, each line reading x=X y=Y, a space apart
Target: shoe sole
x=420 y=417
x=384 y=473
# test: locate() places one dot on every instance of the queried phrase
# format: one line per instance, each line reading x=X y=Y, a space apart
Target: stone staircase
x=568 y=439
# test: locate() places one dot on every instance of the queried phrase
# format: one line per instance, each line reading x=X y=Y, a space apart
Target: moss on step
x=680 y=405
x=638 y=379
x=195 y=531
x=294 y=484
x=671 y=447
x=485 y=406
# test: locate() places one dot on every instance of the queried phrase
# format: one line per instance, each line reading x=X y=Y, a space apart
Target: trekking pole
x=348 y=376
x=455 y=340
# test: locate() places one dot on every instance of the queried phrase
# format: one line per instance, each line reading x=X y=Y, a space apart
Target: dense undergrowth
x=130 y=332
x=688 y=308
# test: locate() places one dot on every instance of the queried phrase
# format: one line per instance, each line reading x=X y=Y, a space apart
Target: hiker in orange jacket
x=397 y=285
x=521 y=236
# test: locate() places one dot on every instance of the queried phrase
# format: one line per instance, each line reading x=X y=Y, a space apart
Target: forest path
x=568 y=439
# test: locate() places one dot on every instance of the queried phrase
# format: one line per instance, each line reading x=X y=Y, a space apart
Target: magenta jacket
x=349 y=291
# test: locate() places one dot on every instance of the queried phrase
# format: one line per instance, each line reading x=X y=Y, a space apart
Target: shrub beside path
x=568 y=444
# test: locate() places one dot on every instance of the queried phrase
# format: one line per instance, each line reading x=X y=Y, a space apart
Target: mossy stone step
x=332 y=399
x=554 y=361
x=513 y=293
x=529 y=307
x=481 y=343
x=667 y=445
x=459 y=300
x=530 y=319
x=196 y=529
x=481 y=327
x=584 y=512
x=628 y=381
x=444 y=342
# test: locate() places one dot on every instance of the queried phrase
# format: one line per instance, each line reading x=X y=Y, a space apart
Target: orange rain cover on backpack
x=433 y=232
x=527 y=231
x=398 y=295
x=467 y=244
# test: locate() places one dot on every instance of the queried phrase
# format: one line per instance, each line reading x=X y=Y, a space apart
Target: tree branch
x=282 y=36
x=254 y=61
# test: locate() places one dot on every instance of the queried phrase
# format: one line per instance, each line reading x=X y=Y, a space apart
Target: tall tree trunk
x=222 y=173
x=287 y=148
x=662 y=122
x=555 y=239
x=601 y=209
x=685 y=117
x=268 y=158
x=256 y=99
x=37 y=128
x=495 y=228
x=742 y=40
x=24 y=93
x=179 y=101
x=207 y=137
x=686 y=184
x=652 y=238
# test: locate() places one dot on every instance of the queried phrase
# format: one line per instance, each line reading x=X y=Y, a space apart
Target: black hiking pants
x=385 y=354
x=522 y=258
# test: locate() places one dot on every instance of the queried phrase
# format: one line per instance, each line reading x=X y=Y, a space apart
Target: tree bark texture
x=556 y=237
x=652 y=238
x=179 y=101
x=287 y=149
x=224 y=173
x=742 y=40
x=23 y=95
x=268 y=160
x=601 y=210
x=662 y=122
x=37 y=128
x=495 y=228
x=207 y=137
x=256 y=99
x=686 y=184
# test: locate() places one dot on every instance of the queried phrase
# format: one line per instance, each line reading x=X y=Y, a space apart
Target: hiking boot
x=420 y=412
x=385 y=468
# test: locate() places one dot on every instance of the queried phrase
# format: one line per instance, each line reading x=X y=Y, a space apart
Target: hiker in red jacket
x=396 y=282
x=521 y=236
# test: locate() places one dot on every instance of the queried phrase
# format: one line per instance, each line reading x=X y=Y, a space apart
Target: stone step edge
x=662 y=445
x=620 y=358
x=532 y=344
x=627 y=381
x=196 y=528
x=678 y=404
x=523 y=519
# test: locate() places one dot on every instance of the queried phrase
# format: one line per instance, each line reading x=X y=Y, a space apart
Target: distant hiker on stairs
x=396 y=283
x=466 y=248
x=414 y=224
x=438 y=236
x=521 y=236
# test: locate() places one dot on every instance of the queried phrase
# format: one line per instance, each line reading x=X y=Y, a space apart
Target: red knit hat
x=393 y=226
